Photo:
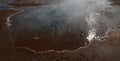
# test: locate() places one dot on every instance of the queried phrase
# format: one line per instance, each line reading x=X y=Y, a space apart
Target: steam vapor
x=87 y=14
x=84 y=17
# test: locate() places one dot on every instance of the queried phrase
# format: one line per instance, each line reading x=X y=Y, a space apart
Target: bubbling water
x=88 y=11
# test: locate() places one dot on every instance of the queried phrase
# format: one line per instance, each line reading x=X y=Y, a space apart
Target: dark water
x=3 y=7
x=8 y=1
x=44 y=28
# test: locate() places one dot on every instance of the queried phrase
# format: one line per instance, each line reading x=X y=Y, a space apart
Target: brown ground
x=4 y=40
x=24 y=3
x=116 y=2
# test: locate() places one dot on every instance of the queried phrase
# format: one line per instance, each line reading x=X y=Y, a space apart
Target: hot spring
x=65 y=25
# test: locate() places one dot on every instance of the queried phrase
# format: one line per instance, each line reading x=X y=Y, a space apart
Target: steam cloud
x=88 y=12
x=71 y=16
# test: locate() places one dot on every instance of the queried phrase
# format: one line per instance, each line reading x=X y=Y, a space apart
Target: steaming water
x=93 y=12
x=86 y=18
x=89 y=11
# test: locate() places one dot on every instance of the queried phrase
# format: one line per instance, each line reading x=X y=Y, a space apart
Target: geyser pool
x=68 y=25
